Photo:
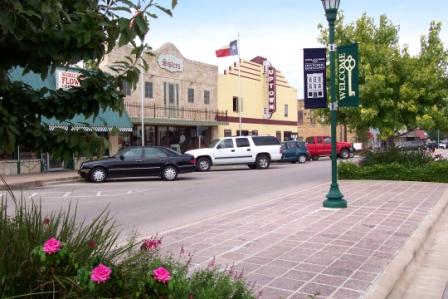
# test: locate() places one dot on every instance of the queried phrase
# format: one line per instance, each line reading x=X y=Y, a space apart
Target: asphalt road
x=152 y=206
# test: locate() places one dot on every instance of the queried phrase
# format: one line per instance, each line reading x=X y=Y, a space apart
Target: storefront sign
x=347 y=75
x=272 y=88
x=67 y=79
x=314 y=74
x=170 y=62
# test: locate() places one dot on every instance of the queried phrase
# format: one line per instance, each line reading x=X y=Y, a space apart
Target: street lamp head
x=330 y=4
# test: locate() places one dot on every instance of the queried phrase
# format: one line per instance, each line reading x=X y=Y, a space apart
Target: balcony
x=175 y=115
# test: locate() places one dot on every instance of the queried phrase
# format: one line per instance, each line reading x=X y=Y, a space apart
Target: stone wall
x=9 y=167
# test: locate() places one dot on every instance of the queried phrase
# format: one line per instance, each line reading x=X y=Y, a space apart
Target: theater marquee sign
x=271 y=78
x=170 y=63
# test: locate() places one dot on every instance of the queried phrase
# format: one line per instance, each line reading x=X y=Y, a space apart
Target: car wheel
x=203 y=164
x=252 y=166
x=345 y=153
x=315 y=158
x=301 y=159
x=98 y=175
x=169 y=173
x=262 y=162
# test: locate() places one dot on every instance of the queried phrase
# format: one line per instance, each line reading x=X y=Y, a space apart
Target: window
x=287 y=135
x=226 y=143
x=242 y=142
x=254 y=132
x=300 y=118
x=133 y=154
x=206 y=96
x=190 y=95
x=126 y=88
x=286 y=110
x=319 y=140
x=265 y=140
x=171 y=94
x=148 y=90
x=235 y=104
x=278 y=134
x=243 y=133
x=310 y=140
x=151 y=153
x=227 y=133
x=327 y=139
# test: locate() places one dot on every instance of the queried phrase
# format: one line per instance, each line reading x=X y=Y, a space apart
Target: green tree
x=39 y=36
x=397 y=91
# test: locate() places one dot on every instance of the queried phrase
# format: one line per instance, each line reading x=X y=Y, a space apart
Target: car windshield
x=213 y=143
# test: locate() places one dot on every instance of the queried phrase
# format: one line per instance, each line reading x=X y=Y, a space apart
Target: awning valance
x=105 y=121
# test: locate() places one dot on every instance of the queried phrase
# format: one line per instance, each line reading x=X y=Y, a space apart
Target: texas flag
x=229 y=50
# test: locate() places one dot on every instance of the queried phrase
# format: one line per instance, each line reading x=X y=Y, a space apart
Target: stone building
x=178 y=99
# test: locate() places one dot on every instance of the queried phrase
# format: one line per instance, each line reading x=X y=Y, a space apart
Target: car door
x=291 y=151
x=127 y=164
x=243 y=151
x=225 y=152
x=153 y=161
x=326 y=145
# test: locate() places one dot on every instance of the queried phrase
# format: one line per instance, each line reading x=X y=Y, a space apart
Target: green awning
x=179 y=122
x=105 y=121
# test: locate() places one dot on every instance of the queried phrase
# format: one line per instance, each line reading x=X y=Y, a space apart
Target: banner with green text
x=347 y=75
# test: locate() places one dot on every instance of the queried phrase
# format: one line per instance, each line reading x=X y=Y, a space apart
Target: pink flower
x=150 y=244
x=52 y=246
x=161 y=274
x=46 y=221
x=100 y=273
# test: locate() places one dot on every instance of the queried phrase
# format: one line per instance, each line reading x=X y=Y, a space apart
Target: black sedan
x=138 y=162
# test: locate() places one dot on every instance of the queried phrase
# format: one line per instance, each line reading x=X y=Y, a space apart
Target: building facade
x=178 y=98
x=309 y=124
x=258 y=99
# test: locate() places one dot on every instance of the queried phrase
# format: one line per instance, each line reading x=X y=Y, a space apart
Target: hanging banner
x=314 y=74
x=347 y=75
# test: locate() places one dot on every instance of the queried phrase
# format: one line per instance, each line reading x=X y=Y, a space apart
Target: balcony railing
x=153 y=111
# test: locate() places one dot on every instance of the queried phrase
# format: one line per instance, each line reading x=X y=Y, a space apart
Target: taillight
x=193 y=161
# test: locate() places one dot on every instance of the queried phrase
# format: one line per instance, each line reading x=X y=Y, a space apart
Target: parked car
x=139 y=162
x=410 y=144
x=295 y=151
x=319 y=146
x=442 y=145
x=255 y=151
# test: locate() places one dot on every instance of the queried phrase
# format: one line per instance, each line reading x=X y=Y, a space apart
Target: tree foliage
x=398 y=91
x=39 y=36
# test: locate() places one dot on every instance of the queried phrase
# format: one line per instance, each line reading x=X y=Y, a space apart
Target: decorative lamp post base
x=335 y=199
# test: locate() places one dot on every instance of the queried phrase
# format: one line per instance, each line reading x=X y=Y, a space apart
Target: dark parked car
x=294 y=151
x=138 y=162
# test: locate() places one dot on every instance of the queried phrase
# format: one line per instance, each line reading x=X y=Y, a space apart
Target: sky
x=279 y=30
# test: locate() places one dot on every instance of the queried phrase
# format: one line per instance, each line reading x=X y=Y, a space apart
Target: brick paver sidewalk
x=292 y=247
x=38 y=179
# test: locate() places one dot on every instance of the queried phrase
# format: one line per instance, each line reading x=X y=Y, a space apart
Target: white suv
x=255 y=151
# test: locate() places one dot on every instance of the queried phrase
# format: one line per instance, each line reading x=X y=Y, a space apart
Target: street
x=151 y=205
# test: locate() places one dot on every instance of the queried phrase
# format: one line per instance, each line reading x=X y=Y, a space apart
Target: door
x=153 y=160
x=127 y=164
x=243 y=152
x=327 y=145
x=225 y=152
x=171 y=99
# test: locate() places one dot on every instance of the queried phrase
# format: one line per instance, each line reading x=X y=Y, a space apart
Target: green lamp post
x=335 y=199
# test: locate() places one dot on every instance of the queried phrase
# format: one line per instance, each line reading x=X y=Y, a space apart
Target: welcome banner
x=314 y=74
x=347 y=75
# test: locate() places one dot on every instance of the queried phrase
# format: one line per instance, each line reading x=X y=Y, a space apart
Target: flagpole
x=239 y=84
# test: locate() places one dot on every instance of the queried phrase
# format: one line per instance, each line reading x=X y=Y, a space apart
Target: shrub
x=59 y=257
x=394 y=155
x=435 y=171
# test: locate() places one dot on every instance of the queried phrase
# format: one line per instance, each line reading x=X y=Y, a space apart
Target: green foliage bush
x=434 y=171
x=394 y=155
x=28 y=270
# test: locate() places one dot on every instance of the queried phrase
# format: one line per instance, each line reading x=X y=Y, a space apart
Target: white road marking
x=66 y=194
x=129 y=192
x=32 y=195
x=99 y=193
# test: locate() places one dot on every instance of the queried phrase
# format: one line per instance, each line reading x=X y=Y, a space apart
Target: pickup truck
x=255 y=151
x=320 y=146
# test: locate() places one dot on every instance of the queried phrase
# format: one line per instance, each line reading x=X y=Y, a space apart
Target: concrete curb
x=389 y=280
x=40 y=183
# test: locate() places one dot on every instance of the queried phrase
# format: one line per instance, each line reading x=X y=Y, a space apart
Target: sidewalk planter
x=9 y=167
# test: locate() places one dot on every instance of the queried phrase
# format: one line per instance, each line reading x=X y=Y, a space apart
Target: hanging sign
x=272 y=93
x=314 y=74
x=67 y=79
x=347 y=75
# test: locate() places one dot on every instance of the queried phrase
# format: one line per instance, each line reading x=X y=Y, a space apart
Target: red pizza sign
x=66 y=79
